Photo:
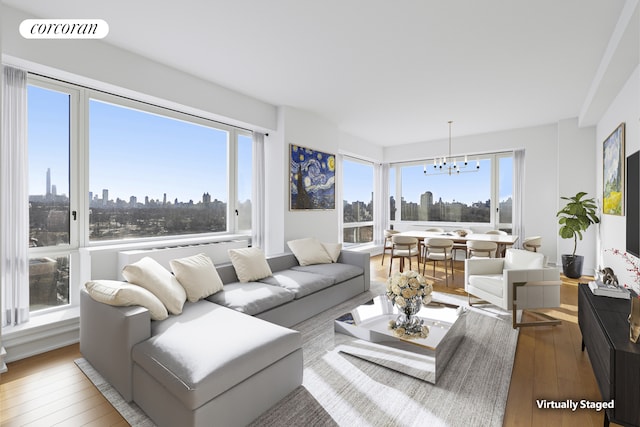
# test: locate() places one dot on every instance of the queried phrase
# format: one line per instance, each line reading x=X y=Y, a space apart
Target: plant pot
x=572 y=266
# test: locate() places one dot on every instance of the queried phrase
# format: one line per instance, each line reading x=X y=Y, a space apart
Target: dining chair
x=437 y=249
x=481 y=249
x=461 y=246
x=387 y=242
x=404 y=247
x=532 y=243
x=503 y=248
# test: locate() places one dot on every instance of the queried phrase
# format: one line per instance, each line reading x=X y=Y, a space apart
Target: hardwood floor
x=49 y=389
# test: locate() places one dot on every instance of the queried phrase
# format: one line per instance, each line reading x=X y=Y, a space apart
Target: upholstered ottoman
x=214 y=366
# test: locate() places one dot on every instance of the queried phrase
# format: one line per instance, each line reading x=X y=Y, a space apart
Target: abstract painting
x=613 y=173
x=312 y=178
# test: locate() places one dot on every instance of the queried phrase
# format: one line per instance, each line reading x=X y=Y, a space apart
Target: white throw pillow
x=309 y=251
x=250 y=264
x=333 y=249
x=114 y=292
x=197 y=275
x=149 y=274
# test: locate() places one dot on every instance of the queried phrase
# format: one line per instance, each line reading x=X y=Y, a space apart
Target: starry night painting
x=312 y=179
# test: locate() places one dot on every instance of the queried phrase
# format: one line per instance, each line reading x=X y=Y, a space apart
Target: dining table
x=503 y=240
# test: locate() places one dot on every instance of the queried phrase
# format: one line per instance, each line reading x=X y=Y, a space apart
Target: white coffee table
x=423 y=358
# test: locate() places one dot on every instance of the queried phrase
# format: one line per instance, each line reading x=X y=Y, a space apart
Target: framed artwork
x=312 y=179
x=613 y=172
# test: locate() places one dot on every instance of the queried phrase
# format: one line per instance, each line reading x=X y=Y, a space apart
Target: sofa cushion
x=209 y=349
x=117 y=293
x=250 y=264
x=152 y=276
x=491 y=283
x=300 y=283
x=339 y=272
x=197 y=275
x=309 y=251
x=252 y=297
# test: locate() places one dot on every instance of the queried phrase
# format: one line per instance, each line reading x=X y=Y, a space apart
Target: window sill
x=40 y=322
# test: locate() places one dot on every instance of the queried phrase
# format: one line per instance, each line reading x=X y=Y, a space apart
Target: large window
x=357 y=187
x=153 y=175
x=51 y=234
x=505 y=191
x=467 y=197
x=102 y=167
x=245 y=179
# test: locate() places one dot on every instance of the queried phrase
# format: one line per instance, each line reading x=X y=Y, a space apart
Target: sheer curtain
x=257 y=192
x=380 y=202
x=14 y=199
x=518 y=196
x=338 y=196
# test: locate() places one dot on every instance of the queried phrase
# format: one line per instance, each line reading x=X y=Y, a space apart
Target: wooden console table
x=614 y=358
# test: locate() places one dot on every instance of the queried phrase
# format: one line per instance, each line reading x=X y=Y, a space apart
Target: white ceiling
x=389 y=72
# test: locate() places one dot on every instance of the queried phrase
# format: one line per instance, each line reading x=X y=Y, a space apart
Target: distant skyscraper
x=54 y=191
x=48 y=192
x=164 y=199
x=133 y=200
x=105 y=196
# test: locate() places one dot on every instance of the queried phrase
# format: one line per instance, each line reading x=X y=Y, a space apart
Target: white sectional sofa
x=225 y=359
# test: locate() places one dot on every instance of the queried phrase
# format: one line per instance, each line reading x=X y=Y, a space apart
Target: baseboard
x=31 y=342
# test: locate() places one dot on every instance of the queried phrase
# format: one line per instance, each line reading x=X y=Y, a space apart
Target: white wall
x=541 y=172
x=97 y=64
x=309 y=130
x=612 y=234
x=575 y=156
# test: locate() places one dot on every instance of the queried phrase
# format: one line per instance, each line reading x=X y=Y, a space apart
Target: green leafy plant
x=576 y=217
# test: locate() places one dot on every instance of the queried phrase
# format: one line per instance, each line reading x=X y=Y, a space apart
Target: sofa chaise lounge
x=226 y=359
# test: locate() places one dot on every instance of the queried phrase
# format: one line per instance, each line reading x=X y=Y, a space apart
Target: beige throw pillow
x=309 y=251
x=333 y=249
x=114 y=292
x=250 y=264
x=197 y=275
x=149 y=274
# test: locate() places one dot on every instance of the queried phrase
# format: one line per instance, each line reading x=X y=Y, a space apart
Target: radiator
x=217 y=251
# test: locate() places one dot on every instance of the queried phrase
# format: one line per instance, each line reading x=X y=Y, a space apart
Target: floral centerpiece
x=409 y=291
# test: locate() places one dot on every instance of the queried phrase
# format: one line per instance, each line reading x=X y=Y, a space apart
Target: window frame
x=494 y=194
x=358 y=224
x=75 y=154
x=79 y=172
x=231 y=163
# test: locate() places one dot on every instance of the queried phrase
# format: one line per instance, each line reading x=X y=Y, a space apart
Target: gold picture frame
x=613 y=184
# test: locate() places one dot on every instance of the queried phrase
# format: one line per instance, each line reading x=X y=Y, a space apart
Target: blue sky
x=132 y=153
x=464 y=187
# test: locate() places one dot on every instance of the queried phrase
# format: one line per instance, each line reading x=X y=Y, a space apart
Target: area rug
x=340 y=389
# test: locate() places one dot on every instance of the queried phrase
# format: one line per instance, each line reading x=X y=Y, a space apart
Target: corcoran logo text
x=64 y=29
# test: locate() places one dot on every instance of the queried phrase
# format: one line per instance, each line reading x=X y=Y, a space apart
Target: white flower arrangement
x=408 y=291
x=402 y=287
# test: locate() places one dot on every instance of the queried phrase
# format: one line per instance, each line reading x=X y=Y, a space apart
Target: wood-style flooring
x=49 y=389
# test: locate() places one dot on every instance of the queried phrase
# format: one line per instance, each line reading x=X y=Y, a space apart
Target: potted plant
x=576 y=217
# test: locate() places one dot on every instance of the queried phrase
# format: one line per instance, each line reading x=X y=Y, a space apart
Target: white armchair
x=520 y=280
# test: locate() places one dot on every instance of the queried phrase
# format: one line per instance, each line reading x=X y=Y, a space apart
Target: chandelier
x=448 y=165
